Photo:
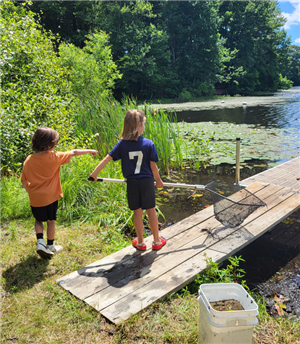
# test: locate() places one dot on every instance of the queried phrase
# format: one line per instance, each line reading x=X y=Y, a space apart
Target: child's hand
x=159 y=183
x=93 y=152
x=93 y=179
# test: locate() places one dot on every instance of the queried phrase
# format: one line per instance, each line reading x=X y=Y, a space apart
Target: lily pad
x=216 y=142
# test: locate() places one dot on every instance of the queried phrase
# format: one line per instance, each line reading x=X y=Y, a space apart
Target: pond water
x=265 y=256
x=179 y=204
x=284 y=115
x=279 y=115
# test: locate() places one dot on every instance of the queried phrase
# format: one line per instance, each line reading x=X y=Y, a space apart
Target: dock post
x=237 y=170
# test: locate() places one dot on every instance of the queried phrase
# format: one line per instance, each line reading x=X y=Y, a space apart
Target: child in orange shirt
x=41 y=179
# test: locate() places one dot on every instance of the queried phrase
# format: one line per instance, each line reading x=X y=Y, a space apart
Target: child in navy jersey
x=138 y=158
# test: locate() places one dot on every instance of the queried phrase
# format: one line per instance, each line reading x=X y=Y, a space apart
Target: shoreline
x=229 y=102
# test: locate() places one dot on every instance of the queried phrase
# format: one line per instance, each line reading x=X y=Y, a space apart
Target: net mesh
x=231 y=212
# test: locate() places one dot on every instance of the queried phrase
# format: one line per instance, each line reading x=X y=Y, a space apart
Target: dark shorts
x=141 y=193
x=47 y=213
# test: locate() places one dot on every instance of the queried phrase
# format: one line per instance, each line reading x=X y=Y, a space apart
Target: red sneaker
x=141 y=247
x=157 y=245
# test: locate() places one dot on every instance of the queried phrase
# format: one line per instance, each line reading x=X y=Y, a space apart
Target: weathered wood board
x=285 y=174
x=128 y=281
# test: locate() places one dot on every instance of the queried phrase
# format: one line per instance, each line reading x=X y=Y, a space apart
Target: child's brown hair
x=44 y=139
x=131 y=125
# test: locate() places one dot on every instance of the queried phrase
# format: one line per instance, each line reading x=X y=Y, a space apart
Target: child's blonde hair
x=44 y=139
x=131 y=125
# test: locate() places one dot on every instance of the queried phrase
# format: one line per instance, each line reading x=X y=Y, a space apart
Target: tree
x=139 y=47
x=294 y=68
x=72 y=20
x=192 y=29
x=253 y=29
x=92 y=70
x=35 y=90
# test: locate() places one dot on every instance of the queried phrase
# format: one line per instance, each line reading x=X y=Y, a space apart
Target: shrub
x=185 y=95
x=92 y=70
x=284 y=83
x=35 y=90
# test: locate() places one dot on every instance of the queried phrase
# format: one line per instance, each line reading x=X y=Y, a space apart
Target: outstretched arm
x=156 y=175
x=76 y=152
x=100 y=167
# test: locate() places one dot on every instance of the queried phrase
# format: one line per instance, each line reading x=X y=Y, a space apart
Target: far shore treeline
x=182 y=49
x=77 y=66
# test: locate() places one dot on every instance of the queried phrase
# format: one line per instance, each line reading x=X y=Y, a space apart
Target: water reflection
x=279 y=245
x=179 y=205
x=285 y=115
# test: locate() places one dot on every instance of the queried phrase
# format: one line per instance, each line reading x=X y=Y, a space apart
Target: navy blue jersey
x=135 y=157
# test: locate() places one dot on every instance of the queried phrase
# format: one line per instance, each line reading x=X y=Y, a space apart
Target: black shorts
x=47 y=213
x=141 y=193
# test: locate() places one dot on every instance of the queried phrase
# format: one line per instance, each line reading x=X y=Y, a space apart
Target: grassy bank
x=36 y=310
x=90 y=226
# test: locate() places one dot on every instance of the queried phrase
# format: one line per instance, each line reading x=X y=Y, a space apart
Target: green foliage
x=92 y=70
x=185 y=95
x=284 y=83
x=102 y=119
x=213 y=274
x=253 y=30
x=71 y=20
x=35 y=90
x=192 y=29
x=231 y=274
x=14 y=199
x=293 y=71
x=140 y=48
x=164 y=47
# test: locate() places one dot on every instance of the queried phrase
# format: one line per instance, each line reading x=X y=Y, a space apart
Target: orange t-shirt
x=41 y=179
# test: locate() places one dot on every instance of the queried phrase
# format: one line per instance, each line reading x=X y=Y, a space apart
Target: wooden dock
x=285 y=174
x=128 y=281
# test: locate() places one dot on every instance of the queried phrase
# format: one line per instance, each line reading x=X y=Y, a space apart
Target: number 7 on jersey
x=139 y=155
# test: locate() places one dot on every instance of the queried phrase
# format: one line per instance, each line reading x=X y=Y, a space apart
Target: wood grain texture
x=128 y=281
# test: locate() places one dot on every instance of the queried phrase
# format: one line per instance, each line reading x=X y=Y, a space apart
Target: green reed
x=92 y=202
x=102 y=118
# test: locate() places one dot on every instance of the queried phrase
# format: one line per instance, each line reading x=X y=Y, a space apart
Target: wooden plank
x=285 y=174
x=285 y=208
x=184 y=273
x=128 y=280
x=80 y=282
x=160 y=268
x=155 y=291
x=104 y=265
x=259 y=226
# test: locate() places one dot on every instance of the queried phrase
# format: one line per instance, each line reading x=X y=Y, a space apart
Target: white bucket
x=227 y=327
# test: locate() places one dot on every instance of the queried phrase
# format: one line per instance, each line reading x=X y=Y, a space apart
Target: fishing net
x=231 y=212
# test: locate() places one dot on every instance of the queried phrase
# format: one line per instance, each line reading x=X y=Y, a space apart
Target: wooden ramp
x=128 y=281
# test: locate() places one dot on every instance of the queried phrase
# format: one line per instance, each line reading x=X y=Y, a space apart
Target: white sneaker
x=54 y=248
x=42 y=250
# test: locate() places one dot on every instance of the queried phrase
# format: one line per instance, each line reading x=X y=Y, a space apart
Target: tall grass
x=103 y=118
x=103 y=204
x=14 y=199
